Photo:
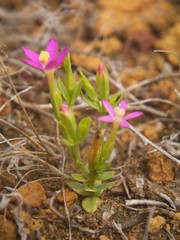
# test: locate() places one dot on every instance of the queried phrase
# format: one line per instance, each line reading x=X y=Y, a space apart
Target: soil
x=122 y=35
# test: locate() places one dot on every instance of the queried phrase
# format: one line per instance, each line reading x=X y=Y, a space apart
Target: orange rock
x=171 y=42
x=130 y=77
x=33 y=194
x=156 y=224
x=153 y=131
x=160 y=168
x=69 y=196
x=86 y=61
x=114 y=16
x=110 y=46
x=103 y=237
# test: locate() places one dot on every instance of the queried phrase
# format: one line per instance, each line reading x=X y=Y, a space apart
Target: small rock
x=153 y=131
x=88 y=62
x=156 y=224
x=103 y=237
x=110 y=46
x=69 y=196
x=33 y=194
x=160 y=168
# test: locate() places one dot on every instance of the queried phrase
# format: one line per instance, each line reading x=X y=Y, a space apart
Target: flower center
x=44 y=57
x=120 y=112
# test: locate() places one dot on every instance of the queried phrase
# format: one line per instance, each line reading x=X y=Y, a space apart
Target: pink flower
x=47 y=60
x=101 y=70
x=117 y=114
x=64 y=108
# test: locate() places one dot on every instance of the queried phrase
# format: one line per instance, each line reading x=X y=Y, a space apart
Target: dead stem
x=134 y=202
x=145 y=82
x=119 y=228
x=22 y=132
x=14 y=97
x=147 y=141
x=21 y=104
x=64 y=199
x=150 y=216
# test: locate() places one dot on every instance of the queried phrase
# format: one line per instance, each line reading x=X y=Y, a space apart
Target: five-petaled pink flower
x=47 y=60
x=117 y=114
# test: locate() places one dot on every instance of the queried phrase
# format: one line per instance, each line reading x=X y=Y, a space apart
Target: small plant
x=90 y=179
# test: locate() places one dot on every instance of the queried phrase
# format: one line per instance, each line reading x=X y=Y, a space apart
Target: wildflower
x=102 y=81
x=64 y=108
x=101 y=70
x=117 y=114
x=47 y=60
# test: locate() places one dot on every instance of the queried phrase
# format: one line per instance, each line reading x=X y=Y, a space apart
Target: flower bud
x=101 y=70
x=102 y=81
x=64 y=108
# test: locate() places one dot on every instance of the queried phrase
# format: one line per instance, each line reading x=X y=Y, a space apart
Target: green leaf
x=102 y=187
x=78 y=177
x=68 y=142
x=105 y=88
x=89 y=88
x=90 y=189
x=90 y=204
x=83 y=128
x=116 y=98
x=106 y=175
x=89 y=102
x=63 y=90
x=69 y=77
x=76 y=186
x=69 y=126
x=76 y=92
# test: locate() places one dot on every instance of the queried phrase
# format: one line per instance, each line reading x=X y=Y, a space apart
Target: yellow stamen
x=44 y=57
x=120 y=112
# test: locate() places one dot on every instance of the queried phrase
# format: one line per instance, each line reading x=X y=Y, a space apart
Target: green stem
x=75 y=155
x=109 y=145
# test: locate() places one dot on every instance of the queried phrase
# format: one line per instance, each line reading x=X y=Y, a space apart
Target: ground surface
x=123 y=35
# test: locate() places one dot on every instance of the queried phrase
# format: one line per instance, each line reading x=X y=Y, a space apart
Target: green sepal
x=91 y=93
x=78 y=177
x=63 y=90
x=69 y=77
x=103 y=86
x=116 y=98
x=89 y=102
x=69 y=125
x=76 y=92
x=90 y=204
x=83 y=128
x=55 y=97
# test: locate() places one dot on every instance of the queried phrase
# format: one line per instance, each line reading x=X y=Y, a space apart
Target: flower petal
x=123 y=105
x=34 y=56
x=132 y=115
x=50 y=65
x=62 y=56
x=109 y=108
x=124 y=123
x=32 y=64
x=52 y=48
x=105 y=119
